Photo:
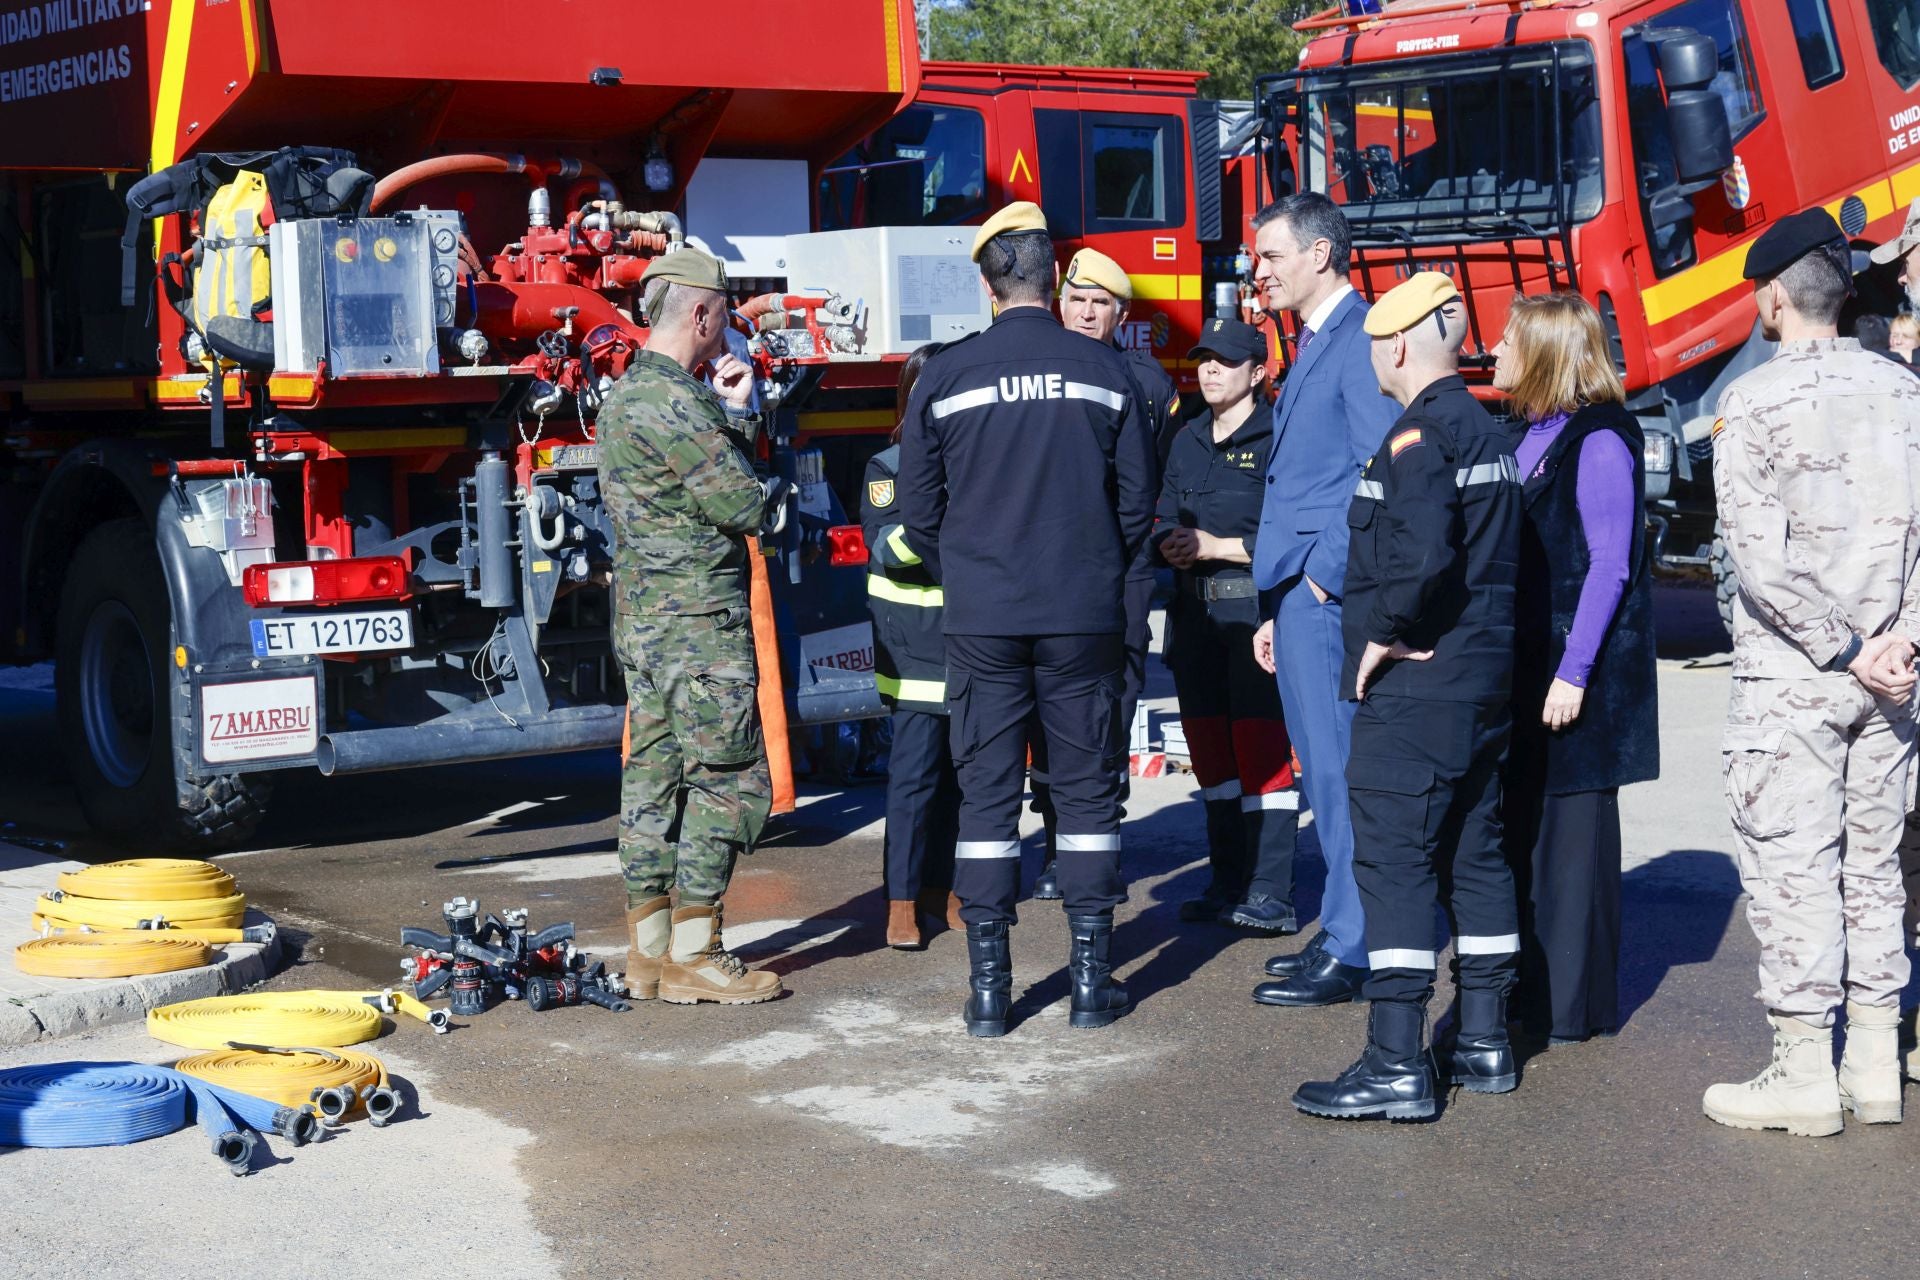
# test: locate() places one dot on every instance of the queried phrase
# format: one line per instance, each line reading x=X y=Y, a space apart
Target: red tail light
x=322 y=582
x=846 y=545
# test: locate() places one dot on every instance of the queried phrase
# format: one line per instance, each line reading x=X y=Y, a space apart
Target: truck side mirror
x=1702 y=136
x=1688 y=60
x=1696 y=116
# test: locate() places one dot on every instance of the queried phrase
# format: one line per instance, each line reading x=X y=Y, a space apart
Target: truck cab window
x=1813 y=32
x=1136 y=178
x=1736 y=83
x=1896 y=37
x=926 y=168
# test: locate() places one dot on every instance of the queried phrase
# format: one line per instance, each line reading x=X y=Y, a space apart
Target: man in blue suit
x=1330 y=419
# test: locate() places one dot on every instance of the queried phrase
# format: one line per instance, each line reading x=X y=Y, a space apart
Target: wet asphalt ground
x=853 y=1129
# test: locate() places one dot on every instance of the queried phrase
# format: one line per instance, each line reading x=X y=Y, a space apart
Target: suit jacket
x=1330 y=419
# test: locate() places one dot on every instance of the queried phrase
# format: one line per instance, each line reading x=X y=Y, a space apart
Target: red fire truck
x=375 y=540
x=1629 y=149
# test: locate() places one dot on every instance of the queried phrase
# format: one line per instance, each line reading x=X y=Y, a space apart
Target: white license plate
x=368 y=632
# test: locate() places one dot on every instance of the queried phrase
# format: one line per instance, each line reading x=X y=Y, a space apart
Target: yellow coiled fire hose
x=115 y=954
x=135 y=879
x=337 y=1082
x=129 y=895
x=326 y=1018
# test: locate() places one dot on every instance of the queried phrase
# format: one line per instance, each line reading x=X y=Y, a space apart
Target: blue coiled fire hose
x=104 y=1104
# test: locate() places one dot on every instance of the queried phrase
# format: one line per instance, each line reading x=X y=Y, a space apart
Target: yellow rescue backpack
x=233 y=281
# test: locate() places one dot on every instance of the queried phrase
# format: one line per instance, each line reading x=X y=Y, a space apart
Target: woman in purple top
x=1585 y=718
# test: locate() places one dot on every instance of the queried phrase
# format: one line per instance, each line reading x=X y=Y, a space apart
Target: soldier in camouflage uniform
x=683 y=497
x=1817 y=473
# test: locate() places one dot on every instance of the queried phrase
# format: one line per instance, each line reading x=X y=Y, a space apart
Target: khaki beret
x=687 y=266
x=1410 y=302
x=1900 y=245
x=1092 y=269
x=1018 y=218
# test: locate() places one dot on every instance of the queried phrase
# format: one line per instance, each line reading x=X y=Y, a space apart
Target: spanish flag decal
x=1719 y=425
x=1402 y=442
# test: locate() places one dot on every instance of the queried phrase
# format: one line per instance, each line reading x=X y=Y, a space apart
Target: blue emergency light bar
x=1363 y=8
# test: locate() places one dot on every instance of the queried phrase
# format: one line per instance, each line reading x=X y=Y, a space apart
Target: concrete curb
x=33 y=1009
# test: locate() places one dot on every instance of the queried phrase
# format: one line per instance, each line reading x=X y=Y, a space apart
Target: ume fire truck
x=1629 y=149
x=306 y=476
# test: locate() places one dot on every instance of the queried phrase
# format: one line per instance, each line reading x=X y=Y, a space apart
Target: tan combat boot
x=698 y=969
x=1870 y=1064
x=649 y=925
x=1797 y=1092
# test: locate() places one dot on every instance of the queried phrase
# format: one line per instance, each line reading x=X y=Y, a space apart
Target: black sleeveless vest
x=1616 y=739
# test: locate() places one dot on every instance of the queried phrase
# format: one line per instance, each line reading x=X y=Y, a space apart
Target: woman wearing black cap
x=1204 y=527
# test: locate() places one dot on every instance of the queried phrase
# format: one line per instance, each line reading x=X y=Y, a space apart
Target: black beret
x=1793 y=238
x=1234 y=340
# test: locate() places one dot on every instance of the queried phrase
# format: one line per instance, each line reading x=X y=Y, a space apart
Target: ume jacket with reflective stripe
x=1027 y=478
x=910 y=654
x=1434 y=549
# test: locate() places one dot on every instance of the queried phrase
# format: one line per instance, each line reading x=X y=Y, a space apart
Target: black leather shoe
x=1209 y=908
x=1264 y=914
x=1046 y=886
x=1287 y=966
x=1325 y=981
x=1393 y=1078
x=991 y=979
x=1097 y=998
x=1481 y=1058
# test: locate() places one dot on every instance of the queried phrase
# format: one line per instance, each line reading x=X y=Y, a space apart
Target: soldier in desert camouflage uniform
x=683 y=497
x=1817 y=473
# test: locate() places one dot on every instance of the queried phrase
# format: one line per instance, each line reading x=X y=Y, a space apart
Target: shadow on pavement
x=1674 y=912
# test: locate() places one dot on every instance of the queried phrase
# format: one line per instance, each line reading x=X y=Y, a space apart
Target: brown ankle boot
x=699 y=969
x=942 y=906
x=953 y=913
x=903 y=926
x=649 y=925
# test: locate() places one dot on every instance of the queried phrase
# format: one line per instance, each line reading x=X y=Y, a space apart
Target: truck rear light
x=846 y=545
x=324 y=582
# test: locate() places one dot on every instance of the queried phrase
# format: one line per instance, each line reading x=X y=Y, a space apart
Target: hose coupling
x=234 y=1148
x=382 y=1105
x=296 y=1124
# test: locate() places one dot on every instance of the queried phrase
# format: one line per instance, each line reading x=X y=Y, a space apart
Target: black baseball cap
x=1234 y=341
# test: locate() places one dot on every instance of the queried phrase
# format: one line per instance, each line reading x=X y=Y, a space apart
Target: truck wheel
x=1724 y=583
x=113 y=685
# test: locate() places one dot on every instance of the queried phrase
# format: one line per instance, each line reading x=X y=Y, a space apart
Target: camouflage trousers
x=1817 y=774
x=695 y=791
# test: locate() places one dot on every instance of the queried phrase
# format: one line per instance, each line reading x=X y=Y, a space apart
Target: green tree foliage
x=1231 y=40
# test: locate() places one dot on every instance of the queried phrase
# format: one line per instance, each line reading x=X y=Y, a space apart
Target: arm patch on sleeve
x=880 y=493
x=1402 y=441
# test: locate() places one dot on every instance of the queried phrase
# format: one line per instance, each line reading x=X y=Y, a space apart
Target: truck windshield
x=926 y=167
x=1465 y=143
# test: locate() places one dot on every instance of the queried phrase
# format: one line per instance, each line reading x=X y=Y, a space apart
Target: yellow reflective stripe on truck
x=1165 y=288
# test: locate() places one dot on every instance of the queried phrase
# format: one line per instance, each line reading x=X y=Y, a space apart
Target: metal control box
x=356 y=293
x=915 y=285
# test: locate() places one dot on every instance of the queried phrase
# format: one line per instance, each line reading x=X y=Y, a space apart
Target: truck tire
x=1725 y=584
x=113 y=688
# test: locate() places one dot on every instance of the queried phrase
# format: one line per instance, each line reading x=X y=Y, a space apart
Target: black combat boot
x=1481 y=1060
x=1097 y=998
x=1393 y=1078
x=991 y=979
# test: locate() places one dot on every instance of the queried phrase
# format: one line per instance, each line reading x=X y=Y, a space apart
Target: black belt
x=1219 y=586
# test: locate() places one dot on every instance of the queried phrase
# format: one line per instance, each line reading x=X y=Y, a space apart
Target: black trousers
x=1424 y=782
x=1565 y=855
x=1237 y=739
x=923 y=805
x=997 y=686
x=1137 y=601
